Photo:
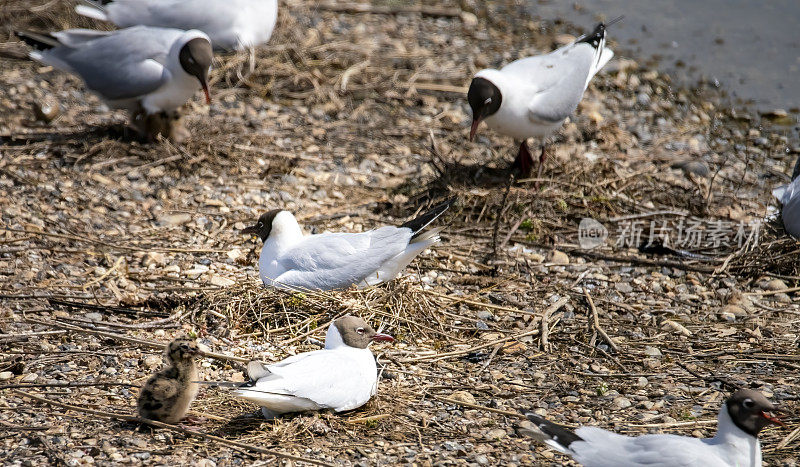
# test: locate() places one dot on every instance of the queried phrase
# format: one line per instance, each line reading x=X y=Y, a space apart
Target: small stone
x=642 y=382
x=196 y=270
x=774 y=284
x=469 y=19
x=513 y=347
x=621 y=402
x=676 y=327
x=205 y=463
x=782 y=298
x=176 y=219
x=735 y=310
x=6 y=375
x=463 y=396
x=559 y=257
x=623 y=287
x=485 y=315
x=220 y=281
x=154 y=257
x=234 y=254
x=94 y=316
x=496 y=434
x=651 y=351
x=29 y=378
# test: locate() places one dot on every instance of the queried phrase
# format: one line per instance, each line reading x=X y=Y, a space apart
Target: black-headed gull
x=342 y=376
x=789 y=196
x=145 y=70
x=331 y=261
x=231 y=24
x=531 y=97
x=741 y=418
x=166 y=396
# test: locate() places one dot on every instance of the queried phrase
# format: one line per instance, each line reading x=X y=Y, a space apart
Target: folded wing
x=339 y=260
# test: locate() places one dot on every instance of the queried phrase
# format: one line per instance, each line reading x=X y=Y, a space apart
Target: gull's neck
x=285 y=230
x=740 y=445
x=333 y=339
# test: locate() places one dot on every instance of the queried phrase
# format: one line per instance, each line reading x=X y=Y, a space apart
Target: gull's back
x=602 y=448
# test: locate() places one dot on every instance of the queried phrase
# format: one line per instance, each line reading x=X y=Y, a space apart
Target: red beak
x=205 y=90
x=382 y=337
x=474 y=129
x=773 y=419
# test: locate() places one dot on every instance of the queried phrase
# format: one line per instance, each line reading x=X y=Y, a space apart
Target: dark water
x=750 y=47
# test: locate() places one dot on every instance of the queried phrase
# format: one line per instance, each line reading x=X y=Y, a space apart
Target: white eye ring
x=360 y=330
x=488 y=100
x=748 y=403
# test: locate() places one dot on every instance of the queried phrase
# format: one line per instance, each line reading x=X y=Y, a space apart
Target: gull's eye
x=748 y=403
x=360 y=330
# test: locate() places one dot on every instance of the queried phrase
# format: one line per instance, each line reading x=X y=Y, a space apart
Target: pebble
x=621 y=402
x=176 y=219
x=623 y=287
x=734 y=310
x=559 y=257
x=496 y=434
x=642 y=382
x=774 y=284
x=463 y=396
x=651 y=351
x=220 y=281
x=485 y=315
x=29 y=378
x=6 y=375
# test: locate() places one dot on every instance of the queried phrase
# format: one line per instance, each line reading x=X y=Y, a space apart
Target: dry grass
x=354 y=121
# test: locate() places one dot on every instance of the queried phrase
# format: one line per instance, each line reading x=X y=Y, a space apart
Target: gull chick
x=167 y=395
x=789 y=196
x=151 y=72
x=231 y=24
x=338 y=260
x=342 y=376
x=741 y=418
x=531 y=97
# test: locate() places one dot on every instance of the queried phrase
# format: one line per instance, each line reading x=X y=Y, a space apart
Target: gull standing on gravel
x=338 y=260
x=231 y=24
x=789 y=196
x=531 y=97
x=147 y=71
x=166 y=396
x=342 y=376
x=736 y=443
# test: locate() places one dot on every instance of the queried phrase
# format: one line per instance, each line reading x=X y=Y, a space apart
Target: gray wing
x=118 y=65
x=339 y=260
x=602 y=448
x=791 y=214
x=559 y=79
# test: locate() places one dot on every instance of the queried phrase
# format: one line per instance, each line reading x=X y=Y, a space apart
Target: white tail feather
x=91 y=12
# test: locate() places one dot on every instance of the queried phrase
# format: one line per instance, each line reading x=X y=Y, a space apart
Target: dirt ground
x=110 y=247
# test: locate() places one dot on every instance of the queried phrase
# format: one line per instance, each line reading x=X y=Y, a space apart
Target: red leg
x=524 y=160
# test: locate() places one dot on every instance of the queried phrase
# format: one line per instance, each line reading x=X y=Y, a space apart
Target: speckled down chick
x=167 y=394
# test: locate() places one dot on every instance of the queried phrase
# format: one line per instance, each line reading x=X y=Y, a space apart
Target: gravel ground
x=110 y=247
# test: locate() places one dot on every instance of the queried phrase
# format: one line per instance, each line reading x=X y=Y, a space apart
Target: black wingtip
x=559 y=434
x=596 y=37
x=37 y=40
x=418 y=223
